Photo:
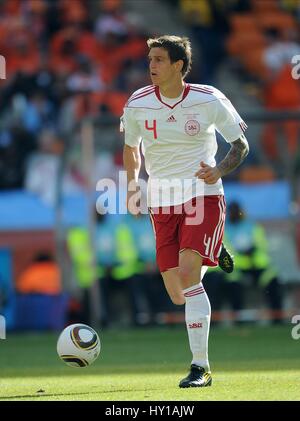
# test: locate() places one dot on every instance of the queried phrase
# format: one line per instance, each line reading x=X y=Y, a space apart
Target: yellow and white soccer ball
x=78 y=345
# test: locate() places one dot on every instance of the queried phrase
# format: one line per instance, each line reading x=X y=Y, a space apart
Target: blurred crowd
x=257 y=39
x=63 y=64
x=66 y=63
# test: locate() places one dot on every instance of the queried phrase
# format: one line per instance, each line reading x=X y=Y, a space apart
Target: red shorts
x=197 y=225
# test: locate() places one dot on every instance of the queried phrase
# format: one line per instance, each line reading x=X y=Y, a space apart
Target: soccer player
x=176 y=122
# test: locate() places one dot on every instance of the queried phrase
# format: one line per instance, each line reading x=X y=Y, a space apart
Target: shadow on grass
x=49 y=395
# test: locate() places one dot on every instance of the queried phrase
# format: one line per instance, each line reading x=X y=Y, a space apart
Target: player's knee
x=186 y=273
x=177 y=299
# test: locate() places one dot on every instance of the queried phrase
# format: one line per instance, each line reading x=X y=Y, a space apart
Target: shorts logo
x=192 y=127
x=195 y=325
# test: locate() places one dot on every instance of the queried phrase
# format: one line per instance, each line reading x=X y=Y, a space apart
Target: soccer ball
x=78 y=345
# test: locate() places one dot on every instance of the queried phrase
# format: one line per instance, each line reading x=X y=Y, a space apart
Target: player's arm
x=230 y=125
x=239 y=149
x=131 y=160
x=132 y=165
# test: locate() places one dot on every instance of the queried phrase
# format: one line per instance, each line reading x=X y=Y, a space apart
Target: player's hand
x=133 y=203
x=210 y=175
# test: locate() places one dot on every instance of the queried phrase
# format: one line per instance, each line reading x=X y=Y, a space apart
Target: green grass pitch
x=248 y=363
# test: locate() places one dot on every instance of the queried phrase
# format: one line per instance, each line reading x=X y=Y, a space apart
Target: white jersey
x=177 y=137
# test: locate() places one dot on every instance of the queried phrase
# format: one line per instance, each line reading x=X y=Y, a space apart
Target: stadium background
x=69 y=71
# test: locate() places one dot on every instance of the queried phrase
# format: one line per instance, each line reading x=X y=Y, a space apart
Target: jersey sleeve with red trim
x=139 y=99
x=130 y=126
x=226 y=119
x=228 y=122
x=139 y=93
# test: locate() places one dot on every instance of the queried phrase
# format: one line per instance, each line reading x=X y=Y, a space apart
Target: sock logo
x=195 y=325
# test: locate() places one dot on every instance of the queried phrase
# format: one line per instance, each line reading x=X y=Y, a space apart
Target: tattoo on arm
x=238 y=151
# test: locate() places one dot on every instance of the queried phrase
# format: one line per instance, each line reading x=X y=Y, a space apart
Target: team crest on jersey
x=192 y=127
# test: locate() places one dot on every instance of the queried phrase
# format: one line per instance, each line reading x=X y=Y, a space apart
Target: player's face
x=160 y=66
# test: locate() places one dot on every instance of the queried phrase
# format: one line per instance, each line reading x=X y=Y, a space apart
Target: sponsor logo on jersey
x=195 y=325
x=192 y=127
x=171 y=119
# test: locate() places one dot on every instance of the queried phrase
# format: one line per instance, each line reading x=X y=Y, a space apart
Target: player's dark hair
x=179 y=48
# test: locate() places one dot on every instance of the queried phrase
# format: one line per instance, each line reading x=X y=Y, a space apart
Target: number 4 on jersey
x=152 y=128
x=207 y=241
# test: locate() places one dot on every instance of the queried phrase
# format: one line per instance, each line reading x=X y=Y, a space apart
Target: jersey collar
x=186 y=91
